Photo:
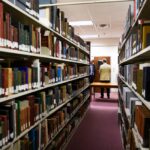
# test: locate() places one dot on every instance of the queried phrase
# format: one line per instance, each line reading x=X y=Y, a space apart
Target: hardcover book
x=146 y=83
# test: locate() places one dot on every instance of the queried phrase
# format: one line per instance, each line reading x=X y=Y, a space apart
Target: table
x=101 y=84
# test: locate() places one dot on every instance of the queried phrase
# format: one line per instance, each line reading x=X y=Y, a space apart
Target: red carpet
x=99 y=129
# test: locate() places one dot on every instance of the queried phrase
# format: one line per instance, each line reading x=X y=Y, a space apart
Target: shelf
x=4 y=99
x=37 y=123
x=73 y=114
x=142 y=14
x=143 y=55
x=146 y=103
x=21 y=14
x=21 y=54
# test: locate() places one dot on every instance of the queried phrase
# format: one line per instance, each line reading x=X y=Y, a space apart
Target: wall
x=108 y=51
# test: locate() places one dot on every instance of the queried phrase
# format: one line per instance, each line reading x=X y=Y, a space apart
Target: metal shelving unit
x=17 y=54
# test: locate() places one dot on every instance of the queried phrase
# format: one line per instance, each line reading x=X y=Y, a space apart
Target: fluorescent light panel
x=81 y=23
x=90 y=36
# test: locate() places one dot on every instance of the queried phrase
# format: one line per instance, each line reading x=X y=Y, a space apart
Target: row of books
x=137 y=6
x=56 y=47
x=128 y=21
x=138 y=115
x=18 y=79
x=138 y=40
x=28 y=142
x=53 y=73
x=15 y=34
x=54 y=18
x=18 y=116
x=60 y=141
x=29 y=6
x=137 y=75
x=123 y=117
x=125 y=121
x=49 y=127
x=131 y=16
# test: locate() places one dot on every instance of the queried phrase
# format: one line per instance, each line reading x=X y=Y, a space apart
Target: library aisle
x=99 y=130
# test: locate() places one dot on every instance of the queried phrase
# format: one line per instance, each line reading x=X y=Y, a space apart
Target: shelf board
x=143 y=55
x=4 y=99
x=146 y=103
x=47 y=115
x=29 y=19
x=21 y=55
x=142 y=14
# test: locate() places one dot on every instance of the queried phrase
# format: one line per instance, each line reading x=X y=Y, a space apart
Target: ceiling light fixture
x=81 y=23
x=90 y=36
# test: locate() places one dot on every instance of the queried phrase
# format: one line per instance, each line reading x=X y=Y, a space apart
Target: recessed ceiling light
x=81 y=23
x=90 y=36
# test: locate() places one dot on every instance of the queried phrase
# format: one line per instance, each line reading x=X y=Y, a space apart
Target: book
x=45 y=16
x=142 y=120
x=146 y=83
x=145 y=36
x=34 y=138
x=62 y=23
x=133 y=102
x=53 y=14
x=8 y=110
x=1 y=24
x=139 y=81
x=44 y=134
x=58 y=21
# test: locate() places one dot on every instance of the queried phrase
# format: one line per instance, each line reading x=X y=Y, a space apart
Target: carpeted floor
x=99 y=130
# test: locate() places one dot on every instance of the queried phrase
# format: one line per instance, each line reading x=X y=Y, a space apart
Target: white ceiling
x=113 y=14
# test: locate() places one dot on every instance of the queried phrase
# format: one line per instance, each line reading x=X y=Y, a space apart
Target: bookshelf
x=42 y=88
x=22 y=14
x=147 y=104
x=133 y=61
x=50 y=113
x=141 y=14
x=139 y=57
x=67 y=121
